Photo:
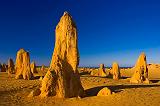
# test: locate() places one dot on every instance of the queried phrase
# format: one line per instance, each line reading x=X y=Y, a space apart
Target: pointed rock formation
x=104 y=92
x=33 y=67
x=22 y=65
x=11 y=69
x=141 y=71
x=63 y=79
x=115 y=71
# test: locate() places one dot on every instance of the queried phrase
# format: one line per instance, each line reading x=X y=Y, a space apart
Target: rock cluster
x=141 y=71
x=22 y=65
x=62 y=79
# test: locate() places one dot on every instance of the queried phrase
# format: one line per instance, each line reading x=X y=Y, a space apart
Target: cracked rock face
x=62 y=79
x=22 y=66
x=141 y=71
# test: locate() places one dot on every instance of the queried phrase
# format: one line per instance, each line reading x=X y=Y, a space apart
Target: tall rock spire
x=62 y=79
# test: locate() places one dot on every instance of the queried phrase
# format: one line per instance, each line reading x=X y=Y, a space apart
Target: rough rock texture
x=100 y=72
x=104 y=92
x=141 y=71
x=33 y=67
x=94 y=72
x=3 y=67
x=115 y=71
x=22 y=65
x=11 y=69
x=62 y=79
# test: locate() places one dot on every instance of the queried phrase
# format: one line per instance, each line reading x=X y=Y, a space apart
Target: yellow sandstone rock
x=104 y=92
x=115 y=71
x=42 y=68
x=41 y=78
x=35 y=92
x=100 y=72
x=10 y=68
x=33 y=67
x=94 y=72
x=22 y=65
x=141 y=71
x=3 y=67
x=62 y=79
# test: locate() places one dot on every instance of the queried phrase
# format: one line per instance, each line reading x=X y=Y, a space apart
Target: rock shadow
x=84 y=73
x=154 y=81
x=116 y=88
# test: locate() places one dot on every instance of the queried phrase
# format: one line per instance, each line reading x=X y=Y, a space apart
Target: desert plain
x=14 y=92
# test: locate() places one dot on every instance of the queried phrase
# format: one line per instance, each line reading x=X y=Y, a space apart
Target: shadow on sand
x=84 y=73
x=116 y=88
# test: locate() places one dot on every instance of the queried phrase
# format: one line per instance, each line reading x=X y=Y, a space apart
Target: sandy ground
x=14 y=92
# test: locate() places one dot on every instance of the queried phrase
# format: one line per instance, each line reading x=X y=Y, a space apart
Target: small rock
x=104 y=92
x=41 y=78
x=34 y=93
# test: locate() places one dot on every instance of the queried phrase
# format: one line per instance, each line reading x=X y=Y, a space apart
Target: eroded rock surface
x=141 y=71
x=100 y=72
x=115 y=71
x=22 y=66
x=10 y=68
x=33 y=67
x=62 y=79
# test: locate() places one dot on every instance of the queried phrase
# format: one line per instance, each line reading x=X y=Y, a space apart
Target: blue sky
x=108 y=30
